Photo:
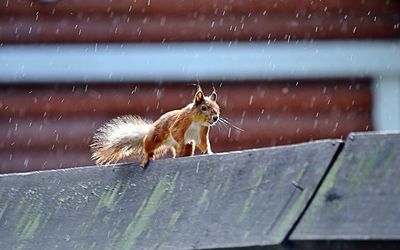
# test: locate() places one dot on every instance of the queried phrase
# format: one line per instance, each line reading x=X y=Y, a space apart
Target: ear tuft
x=198 y=88
x=213 y=96
x=199 y=96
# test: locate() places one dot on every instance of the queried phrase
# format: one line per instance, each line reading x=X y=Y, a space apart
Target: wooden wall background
x=45 y=126
x=50 y=126
x=75 y=21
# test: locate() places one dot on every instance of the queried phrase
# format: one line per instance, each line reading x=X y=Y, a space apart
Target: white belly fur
x=193 y=133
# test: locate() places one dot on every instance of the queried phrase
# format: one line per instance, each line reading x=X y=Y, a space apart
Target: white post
x=386 y=102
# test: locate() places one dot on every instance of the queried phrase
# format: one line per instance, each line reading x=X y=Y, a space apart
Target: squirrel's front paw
x=143 y=163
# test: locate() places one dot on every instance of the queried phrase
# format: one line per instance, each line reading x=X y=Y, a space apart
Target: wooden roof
x=229 y=200
x=317 y=195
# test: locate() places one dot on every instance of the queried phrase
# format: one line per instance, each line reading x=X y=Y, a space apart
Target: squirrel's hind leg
x=173 y=152
x=186 y=150
x=145 y=160
x=150 y=146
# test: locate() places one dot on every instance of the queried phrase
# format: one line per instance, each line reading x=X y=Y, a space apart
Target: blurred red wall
x=50 y=126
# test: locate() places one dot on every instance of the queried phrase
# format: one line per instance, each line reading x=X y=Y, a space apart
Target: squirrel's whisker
x=223 y=123
x=224 y=120
x=219 y=126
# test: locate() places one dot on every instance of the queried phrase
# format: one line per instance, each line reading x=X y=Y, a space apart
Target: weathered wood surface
x=360 y=197
x=226 y=200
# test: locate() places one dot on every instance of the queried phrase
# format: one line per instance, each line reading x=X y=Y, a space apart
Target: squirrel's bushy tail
x=119 y=138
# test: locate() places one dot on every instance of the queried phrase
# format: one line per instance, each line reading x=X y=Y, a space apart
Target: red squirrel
x=179 y=131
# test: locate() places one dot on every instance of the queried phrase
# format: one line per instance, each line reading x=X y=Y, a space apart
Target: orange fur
x=179 y=131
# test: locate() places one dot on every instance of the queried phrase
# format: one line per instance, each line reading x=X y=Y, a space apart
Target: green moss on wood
x=203 y=198
x=83 y=227
x=252 y=193
x=326 y=186
x=92 y=246
x=245 y=235
x=392 y=153
x=290 y=216
x=218 y=187
x=363 y=165
x=140 y=210
x=301 y=172
x=174 y=218
x=31 y=227
x=372 y=161
x=143 y=217
x=30 y=220
x=330 y=179
x=3 y=208
x=171 y=224
x=110 y=197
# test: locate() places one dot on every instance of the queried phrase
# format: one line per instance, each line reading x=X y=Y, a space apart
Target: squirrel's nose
x=215 y=118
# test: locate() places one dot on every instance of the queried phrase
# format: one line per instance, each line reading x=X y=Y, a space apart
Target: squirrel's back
x=119 y=138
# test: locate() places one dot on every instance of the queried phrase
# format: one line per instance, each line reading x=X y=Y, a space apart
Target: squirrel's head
x=206 y=107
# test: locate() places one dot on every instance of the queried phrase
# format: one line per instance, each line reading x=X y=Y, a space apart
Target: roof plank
x=238 y=199
x=359 y=198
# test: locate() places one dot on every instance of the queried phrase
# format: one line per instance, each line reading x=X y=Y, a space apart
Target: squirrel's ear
x=199 y=96
x=213 y=96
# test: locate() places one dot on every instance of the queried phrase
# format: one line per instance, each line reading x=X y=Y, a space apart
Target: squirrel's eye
x=203 y=107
